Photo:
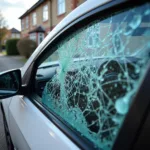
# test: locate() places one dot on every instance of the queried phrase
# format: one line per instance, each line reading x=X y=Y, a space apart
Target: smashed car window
x=100 y=70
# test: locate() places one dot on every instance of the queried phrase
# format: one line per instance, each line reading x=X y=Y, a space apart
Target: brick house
x=12 y=33
x=43 y=16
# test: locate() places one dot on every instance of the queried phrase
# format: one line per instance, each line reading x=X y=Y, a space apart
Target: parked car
x=86 y=86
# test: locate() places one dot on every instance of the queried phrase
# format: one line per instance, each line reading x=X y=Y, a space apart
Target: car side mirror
x=10 y=83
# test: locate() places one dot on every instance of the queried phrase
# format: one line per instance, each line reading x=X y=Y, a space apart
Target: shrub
x=26 y=47
x=11 y=47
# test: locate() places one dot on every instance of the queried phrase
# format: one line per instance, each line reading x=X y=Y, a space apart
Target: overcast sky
x=13 y=9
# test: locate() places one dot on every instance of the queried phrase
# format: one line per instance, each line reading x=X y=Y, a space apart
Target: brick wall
x=51 y=22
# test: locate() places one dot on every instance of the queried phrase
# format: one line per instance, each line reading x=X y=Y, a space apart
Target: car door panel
x=6 y=104
x=30 y=129
x=18 y=139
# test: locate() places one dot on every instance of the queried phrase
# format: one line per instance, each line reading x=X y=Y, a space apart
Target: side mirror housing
x=10 y=83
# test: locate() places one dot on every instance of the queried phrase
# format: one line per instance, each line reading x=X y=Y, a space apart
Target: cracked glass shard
x=101 y=67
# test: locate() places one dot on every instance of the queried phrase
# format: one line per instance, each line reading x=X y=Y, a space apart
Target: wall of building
x=39 y=20
x=79 y=2
x=70 y=5
x=53 y=16
x=39 y=17
x=24 y=32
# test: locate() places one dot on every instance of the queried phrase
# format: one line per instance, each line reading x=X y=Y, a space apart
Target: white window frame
x=22 y=24
x=27 y=22
x=34 y=19
x=45 y=13
x=40 y=36
x=61 y=7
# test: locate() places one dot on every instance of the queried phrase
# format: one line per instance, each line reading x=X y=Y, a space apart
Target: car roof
x=75 y=14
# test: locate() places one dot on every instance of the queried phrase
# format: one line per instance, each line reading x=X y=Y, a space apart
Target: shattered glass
x=101 y=67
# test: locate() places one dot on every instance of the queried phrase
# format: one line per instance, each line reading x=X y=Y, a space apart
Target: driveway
x=7 y=63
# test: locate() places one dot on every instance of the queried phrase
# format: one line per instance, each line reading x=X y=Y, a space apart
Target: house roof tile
x=14 y=30
x=38 y=29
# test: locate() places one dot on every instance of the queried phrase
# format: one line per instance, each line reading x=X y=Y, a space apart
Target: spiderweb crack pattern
x=101 y=70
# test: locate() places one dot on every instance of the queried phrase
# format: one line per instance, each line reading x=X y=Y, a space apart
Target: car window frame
x=80 y=22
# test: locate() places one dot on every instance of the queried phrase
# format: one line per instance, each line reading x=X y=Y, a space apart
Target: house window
x=27 y=22
x=22 y=24
x=13 y=35
x=34 y=19
x=61 y=6
x=33 y=36
x=45 y=13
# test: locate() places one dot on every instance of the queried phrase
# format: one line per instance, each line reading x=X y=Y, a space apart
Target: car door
x=83 y=85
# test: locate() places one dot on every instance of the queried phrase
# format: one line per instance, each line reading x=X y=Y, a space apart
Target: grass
x=4 y=52
x=23 y=59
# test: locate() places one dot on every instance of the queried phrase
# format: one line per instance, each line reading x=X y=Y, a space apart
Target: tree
x=3 y=29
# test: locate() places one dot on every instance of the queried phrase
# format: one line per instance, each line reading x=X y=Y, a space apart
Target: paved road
x=10 y=62
x=7 y=63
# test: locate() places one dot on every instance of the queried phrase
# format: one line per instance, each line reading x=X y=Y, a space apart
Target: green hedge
x=11 y=47
x=26 y=47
